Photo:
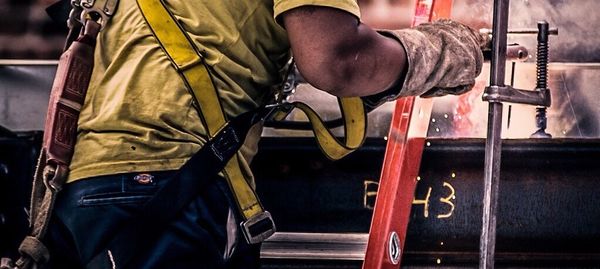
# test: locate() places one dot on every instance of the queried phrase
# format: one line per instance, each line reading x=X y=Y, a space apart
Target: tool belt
x=225 y=136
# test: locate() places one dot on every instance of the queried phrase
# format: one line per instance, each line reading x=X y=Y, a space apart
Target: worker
x=139 y=123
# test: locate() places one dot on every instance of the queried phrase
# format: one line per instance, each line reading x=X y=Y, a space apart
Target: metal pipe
x=500 y=25
x=493 y=145
x=514 y=52
x=524 y=31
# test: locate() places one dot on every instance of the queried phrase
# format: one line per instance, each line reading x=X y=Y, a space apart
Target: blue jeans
x=204 y=235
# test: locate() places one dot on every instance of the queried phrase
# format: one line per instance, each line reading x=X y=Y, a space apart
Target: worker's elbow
x=329 y=74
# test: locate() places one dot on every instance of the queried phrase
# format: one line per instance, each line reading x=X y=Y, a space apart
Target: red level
x=401 y=165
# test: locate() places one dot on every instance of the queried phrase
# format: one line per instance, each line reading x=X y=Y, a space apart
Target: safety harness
x=190 y=64
x=225 y=136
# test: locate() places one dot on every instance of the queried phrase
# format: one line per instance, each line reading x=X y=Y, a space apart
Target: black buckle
x=225 y=144
x=258 y=228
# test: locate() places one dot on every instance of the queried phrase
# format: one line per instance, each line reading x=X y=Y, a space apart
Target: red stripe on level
x=400 y=169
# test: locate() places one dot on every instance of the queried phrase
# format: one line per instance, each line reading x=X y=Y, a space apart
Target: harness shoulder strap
x=188 y=61
x=191 y=66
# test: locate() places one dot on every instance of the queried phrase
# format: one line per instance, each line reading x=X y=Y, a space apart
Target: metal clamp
x=74 y=15
x=258 y=228
x=539 y=97
x=289 y=86
x=96 y=10
x=282 y=106
x=55 y=175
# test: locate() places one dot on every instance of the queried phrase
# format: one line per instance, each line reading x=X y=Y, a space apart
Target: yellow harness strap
x=355 y=127
x=191 y=66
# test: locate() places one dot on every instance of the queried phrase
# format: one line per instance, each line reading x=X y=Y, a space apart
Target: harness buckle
x=283 y=105
x=258 y=228
x=99 y=11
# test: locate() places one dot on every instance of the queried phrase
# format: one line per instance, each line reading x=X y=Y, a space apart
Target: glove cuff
x=390 y=94
x=443 y=57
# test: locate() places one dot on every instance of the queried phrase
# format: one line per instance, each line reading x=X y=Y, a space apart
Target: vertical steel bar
x=500 y=26
x=493 y=148
x=493 y=145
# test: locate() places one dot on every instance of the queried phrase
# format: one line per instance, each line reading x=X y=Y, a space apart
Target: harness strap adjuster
x=226 y=144
x=258 y=228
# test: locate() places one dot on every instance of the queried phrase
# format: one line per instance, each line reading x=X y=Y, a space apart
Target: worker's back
x=138 y=114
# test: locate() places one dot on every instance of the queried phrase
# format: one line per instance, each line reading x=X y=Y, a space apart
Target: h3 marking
x=370 y=192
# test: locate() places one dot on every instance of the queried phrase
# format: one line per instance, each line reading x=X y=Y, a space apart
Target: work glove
x=444 y=57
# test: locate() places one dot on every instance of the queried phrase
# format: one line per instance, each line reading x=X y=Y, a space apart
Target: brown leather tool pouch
x=67 y=97
x=60 y=132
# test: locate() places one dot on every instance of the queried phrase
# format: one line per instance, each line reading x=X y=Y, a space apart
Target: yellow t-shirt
x=138 y=114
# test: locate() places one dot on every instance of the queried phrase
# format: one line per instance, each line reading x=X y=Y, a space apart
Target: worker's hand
x=444 y=57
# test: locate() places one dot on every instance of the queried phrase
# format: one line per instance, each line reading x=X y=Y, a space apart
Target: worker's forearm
x=368 y=66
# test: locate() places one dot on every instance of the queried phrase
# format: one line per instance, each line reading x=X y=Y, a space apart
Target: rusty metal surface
x=548 y=211
x=548 y=198
x=549 y=207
